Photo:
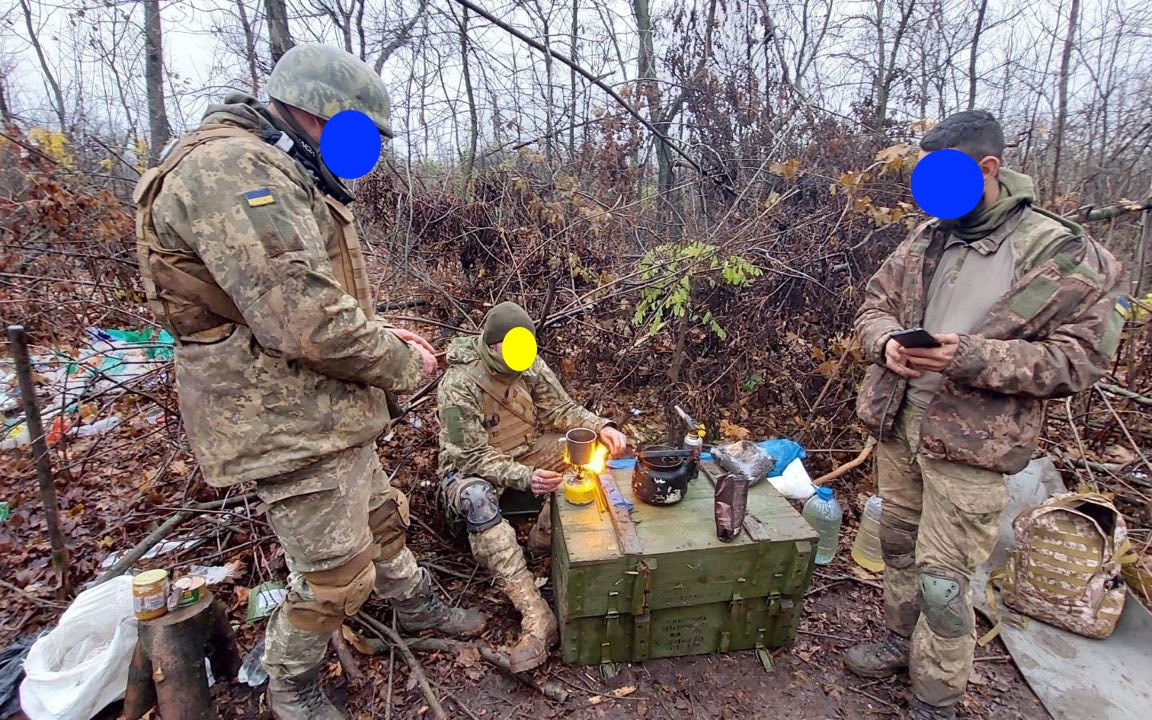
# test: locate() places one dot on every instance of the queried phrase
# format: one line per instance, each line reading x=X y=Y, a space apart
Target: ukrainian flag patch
x=259 y=198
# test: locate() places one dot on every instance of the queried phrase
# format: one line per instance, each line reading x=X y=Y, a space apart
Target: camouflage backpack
x=1065 y=568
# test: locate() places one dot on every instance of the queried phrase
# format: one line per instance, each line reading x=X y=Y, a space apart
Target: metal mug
x=579 y=444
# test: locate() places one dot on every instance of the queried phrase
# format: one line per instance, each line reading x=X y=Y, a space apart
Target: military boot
x=301 y=698
x=923 y=711
x=538 y=629
x=878 y=660
x=424 y=611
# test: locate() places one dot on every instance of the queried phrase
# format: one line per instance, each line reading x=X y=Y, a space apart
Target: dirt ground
x=806 y=682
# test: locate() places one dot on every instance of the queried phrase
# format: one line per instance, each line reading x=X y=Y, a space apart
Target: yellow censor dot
x=519 y=349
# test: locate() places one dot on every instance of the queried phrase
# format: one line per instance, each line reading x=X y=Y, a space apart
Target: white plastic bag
x=82 y=665
x=794 y=483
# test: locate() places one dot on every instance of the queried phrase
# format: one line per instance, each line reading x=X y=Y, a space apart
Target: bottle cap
x=825 y=493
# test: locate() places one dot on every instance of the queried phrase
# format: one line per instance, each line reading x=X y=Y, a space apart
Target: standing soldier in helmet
x=251 y=259
x=494 y=434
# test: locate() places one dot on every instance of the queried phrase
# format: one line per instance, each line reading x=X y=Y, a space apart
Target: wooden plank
x=626 y=536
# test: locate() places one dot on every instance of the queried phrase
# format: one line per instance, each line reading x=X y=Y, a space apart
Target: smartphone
x=915 y=338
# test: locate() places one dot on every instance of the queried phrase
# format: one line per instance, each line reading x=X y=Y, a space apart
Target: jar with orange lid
x=150 y=594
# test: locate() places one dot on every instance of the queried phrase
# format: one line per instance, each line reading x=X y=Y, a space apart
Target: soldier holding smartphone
x=1019 y=304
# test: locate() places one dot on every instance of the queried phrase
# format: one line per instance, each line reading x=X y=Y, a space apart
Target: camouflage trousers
x=939 y=520
x=497 y=548
x=320 y=515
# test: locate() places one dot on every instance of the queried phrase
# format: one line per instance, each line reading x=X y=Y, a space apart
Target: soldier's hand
x=545 y=482
x=425 y=348
x=895 y=360
x=934 y=359
x=614 y=440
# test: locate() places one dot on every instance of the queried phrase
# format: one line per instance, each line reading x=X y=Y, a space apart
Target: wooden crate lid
x=591 y=536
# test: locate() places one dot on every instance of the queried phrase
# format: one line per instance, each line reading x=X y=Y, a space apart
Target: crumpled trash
x=215 y=574
x=794 y=483
x=252 y=669
x=745 y=458
x=782 y=449
x=161 y=548
x=264 y=598
x=11 y=671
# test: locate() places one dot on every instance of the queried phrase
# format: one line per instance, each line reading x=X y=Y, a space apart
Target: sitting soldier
x=493 y=423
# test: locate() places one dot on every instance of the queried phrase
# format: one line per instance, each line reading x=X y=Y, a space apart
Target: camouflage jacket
x=1051 y=335
x=306 y=374
x=470 y=419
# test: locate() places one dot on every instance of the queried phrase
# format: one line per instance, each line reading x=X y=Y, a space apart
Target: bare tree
x=473 y=118
x=279 y=36
x=49 y=76
x=1062 y=102
x=154 y=77
x=973 y=53
x=250 y=57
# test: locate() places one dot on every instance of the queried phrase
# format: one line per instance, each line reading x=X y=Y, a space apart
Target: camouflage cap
x=324 y=80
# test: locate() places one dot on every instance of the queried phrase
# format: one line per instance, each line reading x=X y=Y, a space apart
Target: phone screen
x=915 y=338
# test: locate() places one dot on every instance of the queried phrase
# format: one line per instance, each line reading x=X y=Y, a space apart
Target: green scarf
x=1016 y=190
x=492 y=361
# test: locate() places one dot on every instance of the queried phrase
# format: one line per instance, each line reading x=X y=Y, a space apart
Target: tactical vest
x=181 y=291
x=508 y=409
x=1065 y=569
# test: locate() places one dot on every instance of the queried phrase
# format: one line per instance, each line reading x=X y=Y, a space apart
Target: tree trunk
x=1062 y=100
x=574 y=41
x=650 y=91
x=57 y=94
x=154 y=79
x=279 y=37
x=167 y=668
x=249 y=48
x=972 y=55
x=5 y=111
x=473 y=118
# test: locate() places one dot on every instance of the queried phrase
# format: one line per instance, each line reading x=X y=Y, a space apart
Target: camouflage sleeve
x=464 y=441
x=251 y=222
x=879 y=315
x=1070 y=359
x=555 y=409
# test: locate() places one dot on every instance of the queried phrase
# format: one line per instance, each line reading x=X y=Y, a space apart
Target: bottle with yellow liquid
x=866 y=547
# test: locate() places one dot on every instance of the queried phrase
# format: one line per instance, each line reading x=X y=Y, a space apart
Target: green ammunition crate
x=667 y=586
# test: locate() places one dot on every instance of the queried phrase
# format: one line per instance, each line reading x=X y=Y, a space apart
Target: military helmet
x=324 y=80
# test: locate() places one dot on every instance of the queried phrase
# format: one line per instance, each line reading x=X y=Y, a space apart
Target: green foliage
x=674 y=270
x=753 y=383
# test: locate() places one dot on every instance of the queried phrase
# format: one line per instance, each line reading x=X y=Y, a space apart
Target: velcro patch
x=450 y=417
x=259 y=197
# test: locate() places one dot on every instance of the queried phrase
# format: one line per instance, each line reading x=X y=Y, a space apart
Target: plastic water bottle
x=866 y=548
x=823 y=513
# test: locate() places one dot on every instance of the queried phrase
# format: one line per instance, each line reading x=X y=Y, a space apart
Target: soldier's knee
x=389 y=525
x=332 y=594
x=944 y=602
x=897 y=541
x=479 y=505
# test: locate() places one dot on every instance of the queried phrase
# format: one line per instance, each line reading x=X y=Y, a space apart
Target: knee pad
x=944 y=602
x=897 y=541
x=480 y=505
x=389 y=525
x=332 y=595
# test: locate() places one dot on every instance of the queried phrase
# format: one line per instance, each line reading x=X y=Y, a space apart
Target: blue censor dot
x=947 y=184
x=350 y=144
